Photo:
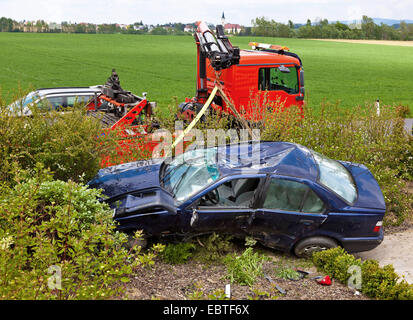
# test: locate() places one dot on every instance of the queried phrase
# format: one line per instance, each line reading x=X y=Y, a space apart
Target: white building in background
x=230 y=27
x=55 y=26
x=188 y=28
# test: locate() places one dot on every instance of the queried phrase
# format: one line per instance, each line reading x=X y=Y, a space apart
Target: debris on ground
x=326 y=281
x=194 y=280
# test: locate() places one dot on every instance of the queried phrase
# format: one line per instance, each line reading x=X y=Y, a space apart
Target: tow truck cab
x=264 y=75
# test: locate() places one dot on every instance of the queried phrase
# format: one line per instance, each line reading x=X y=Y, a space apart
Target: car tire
x=306 y=247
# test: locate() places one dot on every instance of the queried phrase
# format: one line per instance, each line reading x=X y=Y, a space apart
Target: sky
x=186 y=11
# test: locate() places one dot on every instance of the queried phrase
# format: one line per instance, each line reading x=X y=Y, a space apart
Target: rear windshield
x=335 y=176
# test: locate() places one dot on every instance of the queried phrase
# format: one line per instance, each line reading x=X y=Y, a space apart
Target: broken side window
x=236 y=193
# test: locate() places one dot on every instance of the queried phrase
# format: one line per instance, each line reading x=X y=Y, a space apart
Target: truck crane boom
x=219 y=50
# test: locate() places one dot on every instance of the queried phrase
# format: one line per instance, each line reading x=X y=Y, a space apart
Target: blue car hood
x=128 y=177
x=369 y=192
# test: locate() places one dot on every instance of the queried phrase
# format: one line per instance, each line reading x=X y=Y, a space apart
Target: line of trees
x=40 y=26
x=322 y=29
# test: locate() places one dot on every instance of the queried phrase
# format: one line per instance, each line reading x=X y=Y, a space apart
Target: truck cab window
x=273 y=79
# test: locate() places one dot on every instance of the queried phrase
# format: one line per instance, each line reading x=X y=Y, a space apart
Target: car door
x=289 y=210
x=227 y=207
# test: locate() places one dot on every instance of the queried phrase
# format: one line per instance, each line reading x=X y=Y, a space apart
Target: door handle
x=306 y=222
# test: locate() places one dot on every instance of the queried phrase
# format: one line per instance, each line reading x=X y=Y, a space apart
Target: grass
x=165 y=66
x=162 y=66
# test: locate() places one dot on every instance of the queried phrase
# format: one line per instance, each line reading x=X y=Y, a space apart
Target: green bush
x=357 y=135
x=285 y=272
x=335 y=262
x=244 y=269
x=70 y=143
x=178 y=253
x=377 y=282
x=213 y=248
x=58 y=241
x=208 y=249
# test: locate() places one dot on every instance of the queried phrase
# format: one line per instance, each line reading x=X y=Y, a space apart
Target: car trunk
x=368 y=190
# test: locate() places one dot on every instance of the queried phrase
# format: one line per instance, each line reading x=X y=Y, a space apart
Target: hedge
x=376 y=282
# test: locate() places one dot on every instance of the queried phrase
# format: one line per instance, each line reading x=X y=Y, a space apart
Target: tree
x=406 y=31
x=80 y=28
x=368 y=26
x=6 y=24
x=323 y=22
x=264 y=27
x=159 y=31
x=341 y=26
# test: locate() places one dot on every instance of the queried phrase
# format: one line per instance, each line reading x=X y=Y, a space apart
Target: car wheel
x=306 y=247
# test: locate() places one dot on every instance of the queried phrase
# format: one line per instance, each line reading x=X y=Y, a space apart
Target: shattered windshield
x=335 y=176
x=190 y=172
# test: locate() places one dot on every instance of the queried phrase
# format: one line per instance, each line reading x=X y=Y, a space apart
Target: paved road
x=396 y=249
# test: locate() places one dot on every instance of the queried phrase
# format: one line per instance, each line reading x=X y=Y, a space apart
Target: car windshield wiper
x=167 y=174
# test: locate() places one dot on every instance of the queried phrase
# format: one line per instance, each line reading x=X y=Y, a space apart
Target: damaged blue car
x=284 y=195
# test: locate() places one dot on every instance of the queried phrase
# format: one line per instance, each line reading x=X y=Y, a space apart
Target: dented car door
x=289 y=209
x=227 y=207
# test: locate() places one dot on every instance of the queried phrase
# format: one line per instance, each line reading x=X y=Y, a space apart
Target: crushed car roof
x=282 y=158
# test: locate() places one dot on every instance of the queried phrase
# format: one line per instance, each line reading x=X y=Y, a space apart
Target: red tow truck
x=266 y=74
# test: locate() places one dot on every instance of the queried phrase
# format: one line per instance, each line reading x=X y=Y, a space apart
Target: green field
x=165 y=66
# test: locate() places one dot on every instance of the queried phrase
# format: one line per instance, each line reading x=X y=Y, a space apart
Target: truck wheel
x=306 y=247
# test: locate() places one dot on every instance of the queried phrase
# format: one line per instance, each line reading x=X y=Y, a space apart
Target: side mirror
x=301 y=96
x=194 y=217
x=302 y=77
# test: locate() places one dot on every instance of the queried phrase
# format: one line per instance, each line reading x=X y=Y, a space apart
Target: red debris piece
x=326 y=281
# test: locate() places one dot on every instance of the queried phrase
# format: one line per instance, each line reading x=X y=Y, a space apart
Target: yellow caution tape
x=196 y=119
